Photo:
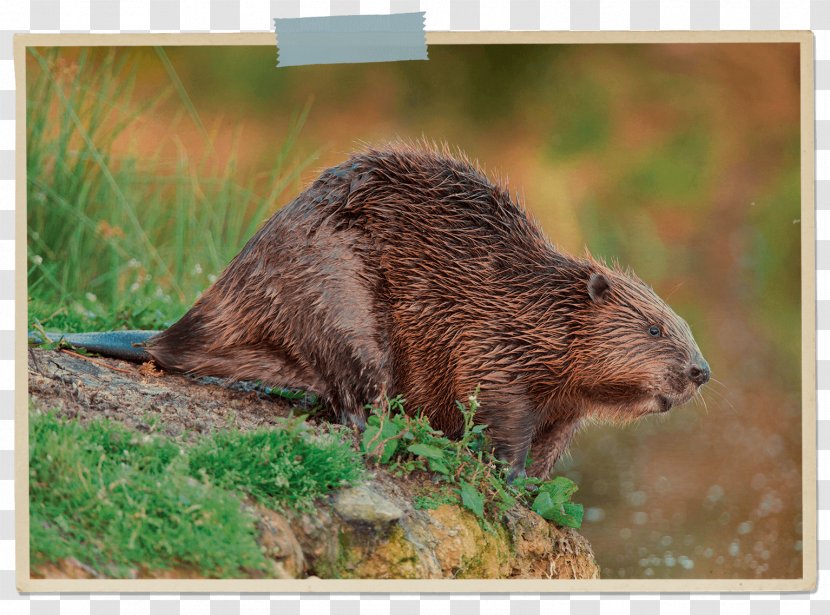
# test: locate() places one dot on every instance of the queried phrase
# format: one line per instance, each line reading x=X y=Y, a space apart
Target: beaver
x=405 y=270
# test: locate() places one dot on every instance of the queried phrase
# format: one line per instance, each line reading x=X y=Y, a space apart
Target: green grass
x=124 y=502
x=287 y=468
x=122 y=240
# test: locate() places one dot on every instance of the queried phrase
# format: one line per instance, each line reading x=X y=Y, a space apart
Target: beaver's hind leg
x=351 y=362
x=329 y=316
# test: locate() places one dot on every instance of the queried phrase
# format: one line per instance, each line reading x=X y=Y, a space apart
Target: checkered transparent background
x=256 y=15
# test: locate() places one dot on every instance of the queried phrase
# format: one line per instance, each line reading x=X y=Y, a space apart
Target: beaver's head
x=632 y=354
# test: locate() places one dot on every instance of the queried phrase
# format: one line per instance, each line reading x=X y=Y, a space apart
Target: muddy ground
x=140 y=395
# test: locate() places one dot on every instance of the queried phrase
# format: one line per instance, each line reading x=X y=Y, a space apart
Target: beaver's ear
x=598 y=288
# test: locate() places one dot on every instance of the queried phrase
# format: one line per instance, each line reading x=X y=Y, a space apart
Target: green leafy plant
x=553 y=502
x=467 y=468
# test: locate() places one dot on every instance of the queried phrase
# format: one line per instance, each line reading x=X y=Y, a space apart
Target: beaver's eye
x=654 y=331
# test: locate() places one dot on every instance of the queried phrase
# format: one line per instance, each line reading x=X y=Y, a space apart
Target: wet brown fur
x=408 y=271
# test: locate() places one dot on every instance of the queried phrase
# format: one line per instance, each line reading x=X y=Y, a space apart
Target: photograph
x=522 y=311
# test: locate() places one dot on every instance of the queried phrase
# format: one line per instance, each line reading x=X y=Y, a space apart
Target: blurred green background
x=149 y=169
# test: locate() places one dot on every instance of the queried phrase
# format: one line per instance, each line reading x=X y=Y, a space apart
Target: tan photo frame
x=808 y=334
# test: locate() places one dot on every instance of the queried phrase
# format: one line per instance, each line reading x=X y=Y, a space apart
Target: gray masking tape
x=351 y=38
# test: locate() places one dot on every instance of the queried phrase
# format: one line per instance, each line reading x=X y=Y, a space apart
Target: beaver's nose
x=699 y=371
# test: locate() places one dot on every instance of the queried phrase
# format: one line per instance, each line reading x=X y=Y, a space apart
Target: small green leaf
x=543 y=505
x=425 y=450
x=437 y=465
x=472 y=499
x=562 y=513
x=560 y=488
x=573 y=514
x=373 y=440
x=368 y=435
x=389 y=450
